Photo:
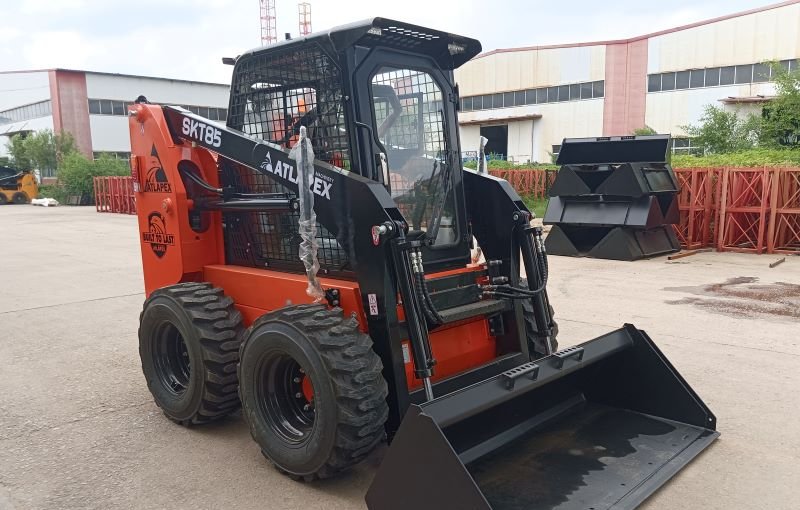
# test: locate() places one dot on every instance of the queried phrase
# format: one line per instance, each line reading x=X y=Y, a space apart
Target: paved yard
x=78 y=428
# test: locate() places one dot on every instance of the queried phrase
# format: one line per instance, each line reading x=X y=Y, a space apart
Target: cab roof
x=450 y=51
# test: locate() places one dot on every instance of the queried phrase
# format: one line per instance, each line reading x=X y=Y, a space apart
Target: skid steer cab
x=309 y=260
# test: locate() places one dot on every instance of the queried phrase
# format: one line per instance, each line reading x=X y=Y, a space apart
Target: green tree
x=721 y=131
x=781 y=119
x=75 y=176
x=646 y=130
x=43 y=150
x=16 y=149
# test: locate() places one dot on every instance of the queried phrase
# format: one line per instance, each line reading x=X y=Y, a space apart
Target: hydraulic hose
x=421 y=290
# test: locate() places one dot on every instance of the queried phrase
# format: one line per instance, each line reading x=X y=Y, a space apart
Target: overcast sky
x=187 y=38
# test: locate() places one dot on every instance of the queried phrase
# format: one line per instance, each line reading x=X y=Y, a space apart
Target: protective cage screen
x=274 y=93
x=409 y=119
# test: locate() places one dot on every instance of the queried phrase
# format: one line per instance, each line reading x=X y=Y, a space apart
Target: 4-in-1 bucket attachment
x=598 y=426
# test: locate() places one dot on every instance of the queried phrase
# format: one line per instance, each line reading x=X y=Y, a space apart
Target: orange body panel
x=173 y=252
x=257 y=291
x=457 y=348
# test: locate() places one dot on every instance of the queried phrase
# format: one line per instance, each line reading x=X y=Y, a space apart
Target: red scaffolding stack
x=697 y=205
x=784 y=225
x=114 y=194
x=744 y=209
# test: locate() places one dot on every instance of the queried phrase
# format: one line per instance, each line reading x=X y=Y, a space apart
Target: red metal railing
x=114 y=195
x=697 y=206
x=744 y=209
x=784 y=222
x=534 y=182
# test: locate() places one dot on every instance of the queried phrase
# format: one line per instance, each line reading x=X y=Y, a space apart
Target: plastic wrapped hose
x=482 y=156
x=303 y=153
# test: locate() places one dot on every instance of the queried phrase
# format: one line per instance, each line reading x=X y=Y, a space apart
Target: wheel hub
x=286 y=397
x=172 y=359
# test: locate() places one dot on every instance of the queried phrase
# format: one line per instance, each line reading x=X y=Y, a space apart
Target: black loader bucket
x=598 y=426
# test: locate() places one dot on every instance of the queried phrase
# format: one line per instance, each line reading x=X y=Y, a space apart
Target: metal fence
x=114 y=195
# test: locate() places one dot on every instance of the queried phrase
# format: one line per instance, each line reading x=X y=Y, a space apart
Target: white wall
x=110 y=133
x=128 y=88
x=668 y=111
x=19 y=89
x=523 y=69
x=769 y=35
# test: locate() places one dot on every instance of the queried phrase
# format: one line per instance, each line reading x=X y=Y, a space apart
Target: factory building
x=526 y=100
x=93 y=106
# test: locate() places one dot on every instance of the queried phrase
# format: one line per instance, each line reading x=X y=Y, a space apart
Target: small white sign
x=406 y=354
x=373 y=304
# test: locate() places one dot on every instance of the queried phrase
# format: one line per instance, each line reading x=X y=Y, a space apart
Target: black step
x=485 y=307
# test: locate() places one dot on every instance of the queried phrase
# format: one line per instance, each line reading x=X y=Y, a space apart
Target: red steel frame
x=533 y=182
x=696 y=202
x=744 y=209
x=114 y=194
x=784 y=224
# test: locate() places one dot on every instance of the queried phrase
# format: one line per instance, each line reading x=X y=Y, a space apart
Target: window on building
x=586 y=90
x=519 y=98
x=712 y=77
x=552 y=94
x=682 y=80
x=556 y=150
x=574 y=91
x=508 y=99
x=477 y=102
x=466 y=104
x=744 y=74
x=599 y=89
x=761 y=73
x=668 y=81
x=726 y=75
x=654 y=83
x=530 y=96
x=685 y=146
x=563 y=93
x=541 y=95
x=697 y=78
x=497 y=100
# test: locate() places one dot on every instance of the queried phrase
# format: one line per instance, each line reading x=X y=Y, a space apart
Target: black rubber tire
x=19 y=198
x=534 y=345
x=349 y=391
x=3 y=198
x=211 y=330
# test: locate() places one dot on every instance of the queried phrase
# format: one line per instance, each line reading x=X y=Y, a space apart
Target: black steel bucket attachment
x=598 y=426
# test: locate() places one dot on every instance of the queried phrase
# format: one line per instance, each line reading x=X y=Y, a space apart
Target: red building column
x=625 y=88
x=71 y=107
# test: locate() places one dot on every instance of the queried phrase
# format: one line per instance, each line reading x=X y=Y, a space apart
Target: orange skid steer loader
x=309 y=260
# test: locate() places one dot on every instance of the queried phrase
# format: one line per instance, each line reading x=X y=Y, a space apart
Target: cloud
x=187 y=38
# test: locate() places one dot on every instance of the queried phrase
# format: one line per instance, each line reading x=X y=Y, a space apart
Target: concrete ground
x=78 y=428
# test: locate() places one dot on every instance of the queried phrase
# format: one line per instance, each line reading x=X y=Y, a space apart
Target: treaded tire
x=3 y=198
x=210 y=329
x=19 y=198
x=349 y=406
x=530 y=325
